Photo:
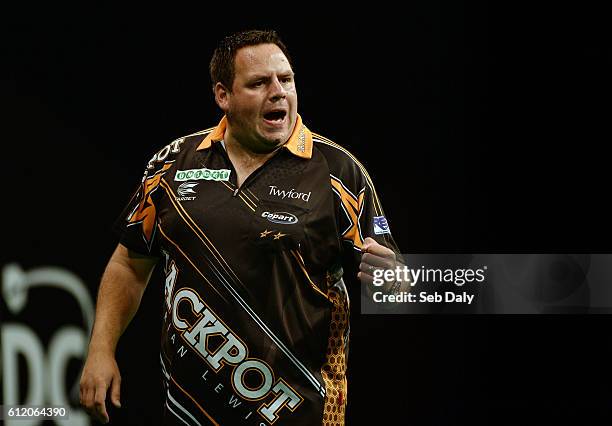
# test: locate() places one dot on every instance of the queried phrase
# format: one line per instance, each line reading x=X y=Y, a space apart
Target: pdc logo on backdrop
x=22 y=337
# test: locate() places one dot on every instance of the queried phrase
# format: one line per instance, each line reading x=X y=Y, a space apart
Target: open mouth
x=276 y=116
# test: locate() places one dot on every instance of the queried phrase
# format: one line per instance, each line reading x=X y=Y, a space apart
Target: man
x=254 y=221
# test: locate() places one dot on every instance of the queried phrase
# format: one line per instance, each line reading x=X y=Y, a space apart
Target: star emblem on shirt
x=265 y=233
x=278 y=236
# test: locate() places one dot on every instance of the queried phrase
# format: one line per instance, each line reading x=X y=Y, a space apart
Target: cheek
x=248 y=107
x=240 y=116
x=293 y=99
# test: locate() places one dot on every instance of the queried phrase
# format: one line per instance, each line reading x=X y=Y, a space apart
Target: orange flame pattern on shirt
x=145 y=213
x=352 y=206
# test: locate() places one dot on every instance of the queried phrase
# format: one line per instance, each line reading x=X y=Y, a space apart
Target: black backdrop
x=484 y=129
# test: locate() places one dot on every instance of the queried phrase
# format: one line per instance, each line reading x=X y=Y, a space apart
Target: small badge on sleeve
x=380 y=225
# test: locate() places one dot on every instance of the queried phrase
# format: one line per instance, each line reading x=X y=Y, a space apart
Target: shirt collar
x=299 y=143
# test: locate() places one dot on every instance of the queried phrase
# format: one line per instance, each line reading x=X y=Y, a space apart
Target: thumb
x=367 y=243
x=116 y=391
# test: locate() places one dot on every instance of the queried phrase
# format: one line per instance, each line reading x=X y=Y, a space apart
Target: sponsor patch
x=283 y=218
x=202 y=174
x=380 y=225
x=185 y=190
x=283 y=193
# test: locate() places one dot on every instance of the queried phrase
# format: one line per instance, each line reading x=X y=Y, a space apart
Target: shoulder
x=343 y=165
x=168 y=154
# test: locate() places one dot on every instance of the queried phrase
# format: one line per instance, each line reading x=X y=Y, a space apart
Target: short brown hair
x=222 y=63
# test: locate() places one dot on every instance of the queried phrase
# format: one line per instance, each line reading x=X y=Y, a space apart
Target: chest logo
x=202 y=174
x=283 y=193
x=283 y=218
x=185 y=190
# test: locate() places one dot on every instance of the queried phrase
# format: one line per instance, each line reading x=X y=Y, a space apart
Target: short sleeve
x=137 y=226
x=360 y=215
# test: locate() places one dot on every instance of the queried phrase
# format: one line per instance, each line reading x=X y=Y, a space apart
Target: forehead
x=263 y=58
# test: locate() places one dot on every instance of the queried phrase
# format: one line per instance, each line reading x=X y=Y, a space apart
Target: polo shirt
x=256 y=310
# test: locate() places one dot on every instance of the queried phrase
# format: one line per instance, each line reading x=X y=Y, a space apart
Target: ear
x=222 y=96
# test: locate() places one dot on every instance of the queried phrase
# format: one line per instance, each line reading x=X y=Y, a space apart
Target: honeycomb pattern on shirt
x=334 y=369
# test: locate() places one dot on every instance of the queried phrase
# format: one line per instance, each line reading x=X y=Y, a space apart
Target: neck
x=243 y=152
x=240 y=153
x=242 y=157
x=244 y=160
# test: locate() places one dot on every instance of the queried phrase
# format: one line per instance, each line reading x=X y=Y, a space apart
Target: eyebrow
x=257 y=77
x=267 y=77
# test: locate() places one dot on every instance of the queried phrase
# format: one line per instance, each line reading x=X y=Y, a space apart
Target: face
x=262 y=106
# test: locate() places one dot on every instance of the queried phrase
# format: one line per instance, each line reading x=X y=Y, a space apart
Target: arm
x=121 y=289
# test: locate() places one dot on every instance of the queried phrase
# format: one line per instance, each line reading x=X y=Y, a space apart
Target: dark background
x=484 y=129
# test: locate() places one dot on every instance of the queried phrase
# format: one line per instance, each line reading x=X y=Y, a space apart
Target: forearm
x=119 y=296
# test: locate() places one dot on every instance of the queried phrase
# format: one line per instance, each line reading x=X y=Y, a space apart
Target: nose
x=277 y=91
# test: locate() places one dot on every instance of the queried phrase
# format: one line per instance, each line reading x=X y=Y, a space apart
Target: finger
x=378 y=261
x=367 y=243
x=88 y=395
x=371 y=246
x=365 y=279
x=100 y=402
x=82 y=394
x=372 y=271
x=379 y=250
x=367 y=268
x=116 y=391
